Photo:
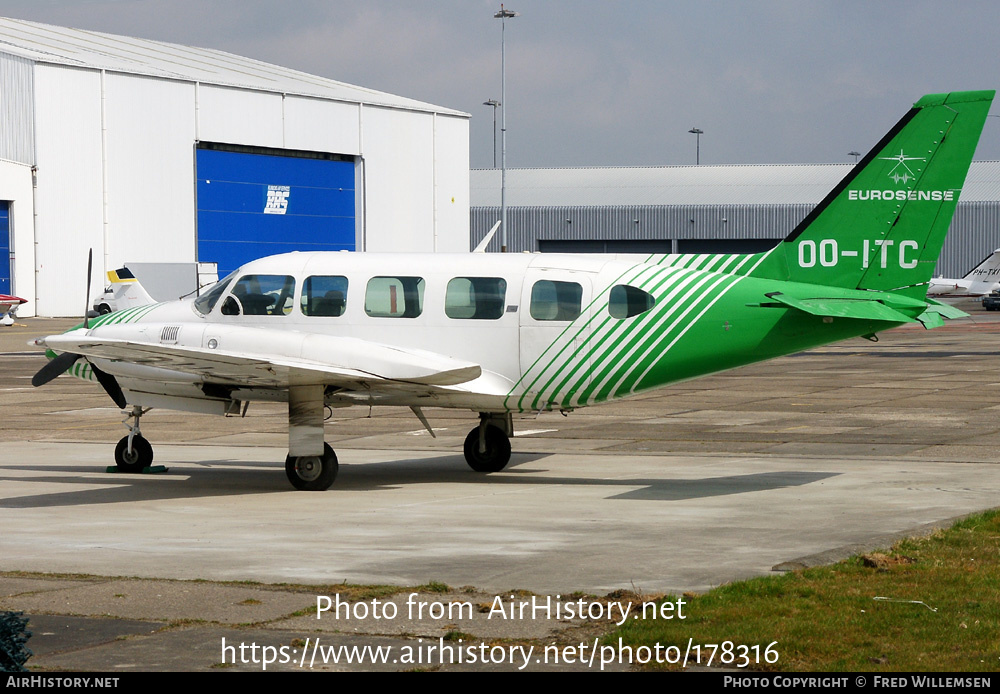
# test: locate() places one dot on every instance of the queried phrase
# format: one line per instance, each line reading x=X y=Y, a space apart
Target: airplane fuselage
x=548 y=331
x=501 y=334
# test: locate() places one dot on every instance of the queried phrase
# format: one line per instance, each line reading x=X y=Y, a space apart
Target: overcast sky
x=592 y=83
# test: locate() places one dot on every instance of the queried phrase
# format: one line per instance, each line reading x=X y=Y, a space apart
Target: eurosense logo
x=277 y=199
x=901 y=172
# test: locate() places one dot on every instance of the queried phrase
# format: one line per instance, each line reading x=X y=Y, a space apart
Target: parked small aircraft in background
x=981 y=280
x=501 y=334
x=8 y=307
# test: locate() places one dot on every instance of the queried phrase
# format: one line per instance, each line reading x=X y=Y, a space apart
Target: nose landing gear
x=133 y=453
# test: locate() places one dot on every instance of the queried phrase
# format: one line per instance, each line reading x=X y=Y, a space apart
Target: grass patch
x=455 y=635
x=434 y=587
x=940 y=609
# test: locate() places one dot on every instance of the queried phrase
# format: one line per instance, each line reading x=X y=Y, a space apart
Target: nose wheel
x=312 y=473
x=135 y=460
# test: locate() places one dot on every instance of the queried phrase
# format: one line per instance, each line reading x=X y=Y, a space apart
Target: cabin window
x=626 y=301
x=478 y=298
x=324 y=295
x=207 y=301
x=554 y=300
x=261 y=295
x=394 y=297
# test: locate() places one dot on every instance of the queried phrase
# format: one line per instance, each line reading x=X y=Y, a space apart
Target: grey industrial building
x=696 y=209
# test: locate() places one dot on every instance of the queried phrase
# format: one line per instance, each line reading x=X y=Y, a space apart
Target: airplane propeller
x=55 y=367
x=111 y=387
x=63 y=362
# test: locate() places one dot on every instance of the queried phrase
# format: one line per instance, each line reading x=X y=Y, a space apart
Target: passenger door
x=554 y=330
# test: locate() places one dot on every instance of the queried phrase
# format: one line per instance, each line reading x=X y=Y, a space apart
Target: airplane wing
x=346 y=362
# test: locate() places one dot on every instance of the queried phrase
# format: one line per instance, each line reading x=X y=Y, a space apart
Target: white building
x=153 y=152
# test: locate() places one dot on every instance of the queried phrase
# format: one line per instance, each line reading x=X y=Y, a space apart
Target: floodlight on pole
x=855 y=154
x=494 y=103
x=503 y=15
x=697 y=151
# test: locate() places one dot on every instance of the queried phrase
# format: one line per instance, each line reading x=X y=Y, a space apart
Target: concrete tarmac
x=795 y=462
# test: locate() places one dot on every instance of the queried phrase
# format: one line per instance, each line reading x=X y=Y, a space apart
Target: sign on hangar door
x=254 y=203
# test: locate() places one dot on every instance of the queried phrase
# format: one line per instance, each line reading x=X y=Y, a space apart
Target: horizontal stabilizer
x=931 y=319
x=858 y=309
x=945 y=310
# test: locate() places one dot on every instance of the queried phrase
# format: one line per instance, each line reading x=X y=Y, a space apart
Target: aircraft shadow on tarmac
x=216 y=478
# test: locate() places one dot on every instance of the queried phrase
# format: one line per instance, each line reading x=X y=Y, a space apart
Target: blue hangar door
x=4 y=247
x=254 y=203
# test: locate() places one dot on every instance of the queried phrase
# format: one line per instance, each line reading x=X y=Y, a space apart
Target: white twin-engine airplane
x=500 y=334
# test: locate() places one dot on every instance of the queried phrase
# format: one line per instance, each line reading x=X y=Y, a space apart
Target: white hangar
x=153 y=152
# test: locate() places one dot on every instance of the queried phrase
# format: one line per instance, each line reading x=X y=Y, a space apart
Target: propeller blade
x=111 y=387
x=86 y=304
x=55 y=367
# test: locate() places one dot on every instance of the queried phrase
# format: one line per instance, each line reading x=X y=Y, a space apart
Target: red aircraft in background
x=8 y=305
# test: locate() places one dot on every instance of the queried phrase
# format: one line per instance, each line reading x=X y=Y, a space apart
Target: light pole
x=697 y=144
x=494 y=103
x=855 y=154
x=503 y=15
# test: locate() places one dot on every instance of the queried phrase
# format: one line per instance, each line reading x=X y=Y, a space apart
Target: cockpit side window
x=324 y=295
x=261 y=295
x=206 y=302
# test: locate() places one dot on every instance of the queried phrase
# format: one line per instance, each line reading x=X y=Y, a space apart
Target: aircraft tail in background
x=124 y=291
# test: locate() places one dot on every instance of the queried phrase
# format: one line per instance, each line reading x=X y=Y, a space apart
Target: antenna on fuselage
x=481 y=248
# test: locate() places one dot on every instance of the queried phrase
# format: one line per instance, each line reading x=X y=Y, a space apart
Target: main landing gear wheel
x=312 y=473
x=141 y=456
x=497 y=450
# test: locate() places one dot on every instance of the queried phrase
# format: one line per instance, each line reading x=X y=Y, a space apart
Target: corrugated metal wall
x=974 y=233
x=17 y=135
x=528 y=225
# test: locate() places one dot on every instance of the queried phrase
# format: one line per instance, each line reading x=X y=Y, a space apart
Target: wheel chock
x=149 y=470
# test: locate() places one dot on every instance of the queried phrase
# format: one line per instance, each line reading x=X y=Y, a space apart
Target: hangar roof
x=777 y=184
x=45 y=43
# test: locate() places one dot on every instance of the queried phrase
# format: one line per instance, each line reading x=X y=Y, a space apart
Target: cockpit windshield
x=206 y=302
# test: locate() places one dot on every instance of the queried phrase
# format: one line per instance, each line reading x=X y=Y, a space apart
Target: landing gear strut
x=308 y=469
x=487 y=447
x=133 y=453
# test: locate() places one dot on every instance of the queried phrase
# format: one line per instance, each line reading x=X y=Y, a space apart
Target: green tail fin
x=883 y=226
